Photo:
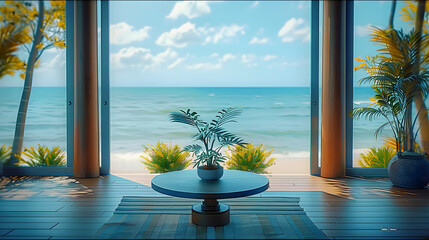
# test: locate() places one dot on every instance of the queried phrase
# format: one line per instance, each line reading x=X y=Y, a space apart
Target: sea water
x=277 y=117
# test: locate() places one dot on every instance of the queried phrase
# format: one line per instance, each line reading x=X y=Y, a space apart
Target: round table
x=210 y=212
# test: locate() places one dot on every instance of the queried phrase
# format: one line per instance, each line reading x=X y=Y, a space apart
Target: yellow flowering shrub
x=250 y=158
x=163 y=158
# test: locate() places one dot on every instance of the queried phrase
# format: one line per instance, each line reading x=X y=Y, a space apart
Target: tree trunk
x=392 y=15
x=23 y=106
x=418 y=99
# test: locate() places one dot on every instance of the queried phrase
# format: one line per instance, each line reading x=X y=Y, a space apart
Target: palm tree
x=392 y=76
x=421 y=94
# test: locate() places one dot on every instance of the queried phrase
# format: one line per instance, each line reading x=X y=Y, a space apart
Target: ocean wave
x=362 y=102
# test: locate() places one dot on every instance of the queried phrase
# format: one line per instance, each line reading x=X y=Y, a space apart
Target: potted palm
x=393 y=76
x=213 y=137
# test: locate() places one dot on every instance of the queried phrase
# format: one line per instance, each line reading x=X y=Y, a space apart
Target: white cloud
x=255 y=3
x=214 y=55
x=295 y=29
x=58 y=61
x=141 y=58
x=227 y=57
x=269 y=57
x=179 y=37
x=249 y=60
x=362 y=30
x=224 y=32
x=122 y=33
x=205 y=66
x=190 y=9
x=177 y=62
x=256 y=40
x=187 y=33
x=292 y=64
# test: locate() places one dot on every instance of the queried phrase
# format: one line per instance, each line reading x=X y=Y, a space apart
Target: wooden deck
x=349 y=208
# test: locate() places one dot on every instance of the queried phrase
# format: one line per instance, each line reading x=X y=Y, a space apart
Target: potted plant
x=213 y=137
x=393 y=76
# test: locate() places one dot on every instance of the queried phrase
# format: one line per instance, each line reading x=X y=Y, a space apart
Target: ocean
x=278 y=117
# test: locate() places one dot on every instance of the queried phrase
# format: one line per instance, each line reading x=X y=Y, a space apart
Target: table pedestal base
x=210 y=213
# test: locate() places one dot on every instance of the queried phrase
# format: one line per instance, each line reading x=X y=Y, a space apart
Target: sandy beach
x=299 y=163
x=129 y=163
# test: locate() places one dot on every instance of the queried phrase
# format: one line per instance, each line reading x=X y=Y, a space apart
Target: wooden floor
x=349 y=208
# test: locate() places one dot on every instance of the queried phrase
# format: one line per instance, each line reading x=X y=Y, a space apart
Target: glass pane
x=369 y=14
x=207 y=56
x=45 y=117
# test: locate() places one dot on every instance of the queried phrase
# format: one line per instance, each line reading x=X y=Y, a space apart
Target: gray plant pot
x=409 y=170
x=210 y=174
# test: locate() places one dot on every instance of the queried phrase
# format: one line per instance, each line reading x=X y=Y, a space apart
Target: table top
x=187 y=184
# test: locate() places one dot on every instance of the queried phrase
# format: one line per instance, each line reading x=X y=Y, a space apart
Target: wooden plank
x=238 y=228
x=169 y=227
x=181 y=227
x=266 y=226
x=30 y=225
x=276 y=227
x=149 y=229
x=86 y=233
x=380 y=237
x=292 y=225
x=4 y=231
x=158 y=227
x=373 y=226
x=142 y=230
x=219 y=233
x=191 y=231
x=228 y=230
x=211 y=233
x=46 y=237
x=111 y=227
x=255 y=226
x=201 y=232
x=344 y=214
x=54 y=219
x=377 y=233
x=371 y=219
x=52 y=214
x=315 y=232
x=367 y=209
x=288 y=231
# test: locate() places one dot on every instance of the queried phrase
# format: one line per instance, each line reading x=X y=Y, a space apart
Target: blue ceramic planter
x=409 y=170
x=210 y=174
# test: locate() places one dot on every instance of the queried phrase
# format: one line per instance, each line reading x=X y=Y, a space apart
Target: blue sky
x=221 y=44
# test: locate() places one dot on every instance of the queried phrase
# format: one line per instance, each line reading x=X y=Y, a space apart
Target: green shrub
x=165 y=158
x=5 y=154
x=249 y=158
x=42 y=156
x=376 y=157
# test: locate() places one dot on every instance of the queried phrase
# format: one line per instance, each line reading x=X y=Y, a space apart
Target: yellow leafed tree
x=39 y=28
